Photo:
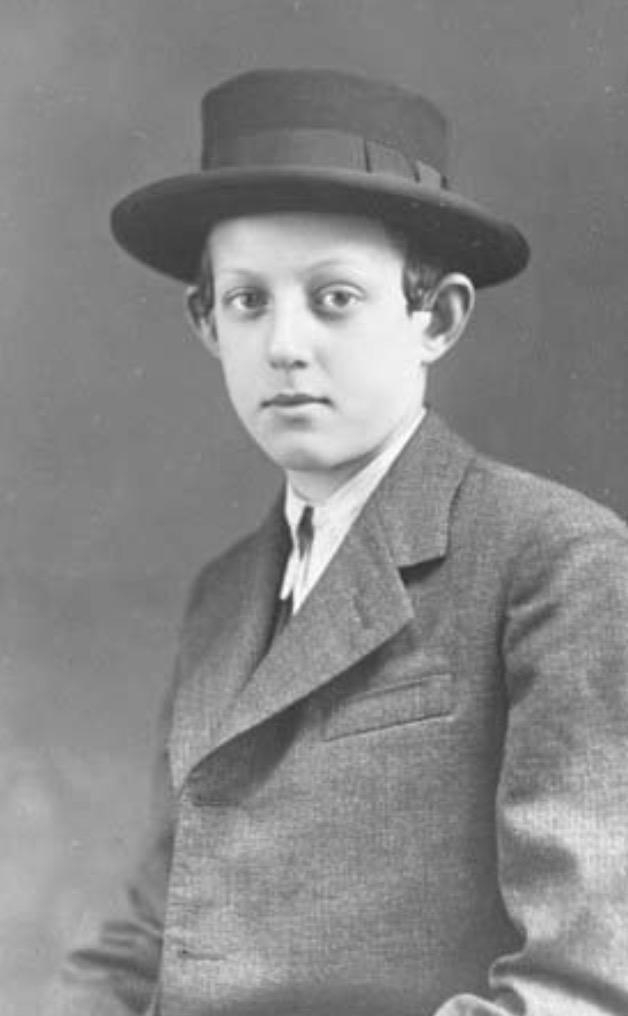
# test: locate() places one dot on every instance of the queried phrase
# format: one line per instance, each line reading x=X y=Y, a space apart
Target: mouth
x=293 y=399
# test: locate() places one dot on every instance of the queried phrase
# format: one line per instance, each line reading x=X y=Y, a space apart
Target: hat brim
x=165 y=225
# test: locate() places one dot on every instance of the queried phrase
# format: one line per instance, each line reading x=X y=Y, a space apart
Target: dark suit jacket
x=417 y=801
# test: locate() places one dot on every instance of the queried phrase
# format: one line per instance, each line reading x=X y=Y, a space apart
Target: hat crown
x=323 y=100
x=322 y=141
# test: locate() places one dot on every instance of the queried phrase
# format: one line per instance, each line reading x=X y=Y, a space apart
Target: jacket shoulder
x=519 y=506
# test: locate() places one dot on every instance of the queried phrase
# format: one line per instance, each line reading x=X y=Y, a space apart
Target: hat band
x=317 y=149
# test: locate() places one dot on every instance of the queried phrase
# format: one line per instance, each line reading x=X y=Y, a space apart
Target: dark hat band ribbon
x=317 y=149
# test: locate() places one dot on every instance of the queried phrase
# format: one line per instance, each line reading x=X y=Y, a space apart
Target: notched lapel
x=358 y=603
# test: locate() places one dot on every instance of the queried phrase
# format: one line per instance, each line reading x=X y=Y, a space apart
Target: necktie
x=303 y=542
x=305 y=531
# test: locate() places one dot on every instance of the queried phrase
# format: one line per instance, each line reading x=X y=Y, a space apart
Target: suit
x=415 y=802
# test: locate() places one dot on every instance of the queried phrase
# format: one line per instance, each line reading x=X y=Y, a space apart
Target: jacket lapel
x=359 y=602
x=223 y=643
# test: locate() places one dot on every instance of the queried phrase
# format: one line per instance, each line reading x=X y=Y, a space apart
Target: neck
x=317 y=486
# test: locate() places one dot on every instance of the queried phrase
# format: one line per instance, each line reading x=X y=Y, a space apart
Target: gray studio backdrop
x=122 y=468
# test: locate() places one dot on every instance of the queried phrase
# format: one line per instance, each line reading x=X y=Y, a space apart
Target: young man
x=393 y=779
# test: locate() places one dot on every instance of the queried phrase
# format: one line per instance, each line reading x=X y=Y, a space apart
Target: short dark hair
x=421 y=274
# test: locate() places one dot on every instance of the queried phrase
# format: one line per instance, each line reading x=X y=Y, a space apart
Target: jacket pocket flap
x=387 y=707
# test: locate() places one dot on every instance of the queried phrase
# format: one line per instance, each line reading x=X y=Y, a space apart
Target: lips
x=288 y=399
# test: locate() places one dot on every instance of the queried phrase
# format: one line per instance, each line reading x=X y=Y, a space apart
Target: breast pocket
x=423 y=698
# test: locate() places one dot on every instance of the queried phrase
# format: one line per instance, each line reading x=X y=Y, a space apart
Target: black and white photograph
x=313 y=502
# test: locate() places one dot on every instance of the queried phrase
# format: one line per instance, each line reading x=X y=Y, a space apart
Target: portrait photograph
x=313 y=502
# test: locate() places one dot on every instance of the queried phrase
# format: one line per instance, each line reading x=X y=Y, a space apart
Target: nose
x=288 y=342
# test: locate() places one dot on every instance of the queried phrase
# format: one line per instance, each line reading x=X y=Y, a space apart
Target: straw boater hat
x=319 y=140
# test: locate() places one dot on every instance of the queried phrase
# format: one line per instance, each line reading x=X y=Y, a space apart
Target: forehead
x=260 y=241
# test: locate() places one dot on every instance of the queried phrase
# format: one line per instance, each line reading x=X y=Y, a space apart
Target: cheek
x=378 y=371
x=239 y=371
x=239 y=393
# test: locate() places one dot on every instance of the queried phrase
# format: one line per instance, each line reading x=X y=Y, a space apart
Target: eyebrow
x=335 y=263
x=239 y=271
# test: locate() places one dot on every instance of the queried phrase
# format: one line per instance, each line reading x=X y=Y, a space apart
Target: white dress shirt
x=332 y=519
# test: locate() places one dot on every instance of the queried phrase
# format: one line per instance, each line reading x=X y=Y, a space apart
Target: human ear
x=447 y=309
x=201 y=320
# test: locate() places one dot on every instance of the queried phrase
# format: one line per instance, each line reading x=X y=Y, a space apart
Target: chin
x=294 y=456
x=299 y=462
x=304 y=460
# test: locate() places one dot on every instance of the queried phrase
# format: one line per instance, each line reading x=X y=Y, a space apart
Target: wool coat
x=415 y=801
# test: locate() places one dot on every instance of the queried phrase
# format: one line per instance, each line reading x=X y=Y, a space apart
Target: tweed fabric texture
x=416 y=803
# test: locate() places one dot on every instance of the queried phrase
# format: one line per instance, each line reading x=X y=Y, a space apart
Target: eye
x=336 y=299
x=245 y=301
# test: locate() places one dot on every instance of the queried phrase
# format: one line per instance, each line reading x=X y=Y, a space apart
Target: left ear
x=448 y=308
x=201 y=322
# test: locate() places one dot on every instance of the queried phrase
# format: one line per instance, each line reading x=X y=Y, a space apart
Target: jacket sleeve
x=562 y=803
x=117 y=974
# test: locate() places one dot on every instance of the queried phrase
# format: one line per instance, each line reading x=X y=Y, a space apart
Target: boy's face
x=323 y=363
